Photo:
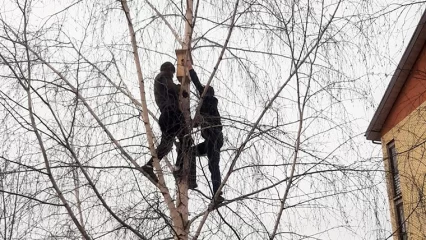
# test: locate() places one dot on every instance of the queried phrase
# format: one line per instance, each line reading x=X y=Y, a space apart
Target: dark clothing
x=172 y=121
x=208 y=110
x=210 y=114
x=166 y=92
x=192 y=177
x=196 y=81
x=211 y=131
x=172 y=124
x=211 y=146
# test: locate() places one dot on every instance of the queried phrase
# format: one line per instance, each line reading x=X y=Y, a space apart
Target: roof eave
x=398 y=80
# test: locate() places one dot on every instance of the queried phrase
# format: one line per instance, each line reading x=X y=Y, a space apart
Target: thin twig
x=167 y=23
x=32 y=198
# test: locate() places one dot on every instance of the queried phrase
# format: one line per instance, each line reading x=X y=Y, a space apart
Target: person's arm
x=196 y=81
x=194 y=78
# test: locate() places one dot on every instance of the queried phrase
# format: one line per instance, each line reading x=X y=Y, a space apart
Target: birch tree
x=78 y=118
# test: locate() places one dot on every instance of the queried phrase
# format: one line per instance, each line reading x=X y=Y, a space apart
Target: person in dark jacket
x=172 y=121
x=211 y=131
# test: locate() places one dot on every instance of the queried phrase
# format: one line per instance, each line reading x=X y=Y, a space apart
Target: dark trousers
x=192 y=178
x=211 y=147
x=172 y=125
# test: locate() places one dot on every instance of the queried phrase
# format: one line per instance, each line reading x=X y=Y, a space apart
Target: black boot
x=219 y=199
x=192 y=184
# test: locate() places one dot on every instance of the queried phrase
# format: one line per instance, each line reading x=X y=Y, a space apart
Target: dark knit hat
x=167 y=67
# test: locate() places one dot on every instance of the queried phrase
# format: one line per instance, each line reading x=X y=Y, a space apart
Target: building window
x=400 y=219
x=394 y=169
x=396 y=185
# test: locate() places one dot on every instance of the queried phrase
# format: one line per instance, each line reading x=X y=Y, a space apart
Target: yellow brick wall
x=410 y=143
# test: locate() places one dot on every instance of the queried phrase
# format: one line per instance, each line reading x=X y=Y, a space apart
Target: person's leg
x=192 y=177
x=180 y=133
x=200 y=149
x=170 y=126
x=162 y=150
x=189 y=152
x=213 y=152
x=185 y=149
x=214 y=158
x=169 y=129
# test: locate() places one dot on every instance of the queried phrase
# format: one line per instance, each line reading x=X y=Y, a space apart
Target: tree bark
x=182 y=185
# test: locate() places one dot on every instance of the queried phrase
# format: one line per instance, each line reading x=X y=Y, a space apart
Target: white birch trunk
x=182 y=186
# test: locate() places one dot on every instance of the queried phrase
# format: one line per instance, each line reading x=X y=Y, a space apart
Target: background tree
x=295 y=81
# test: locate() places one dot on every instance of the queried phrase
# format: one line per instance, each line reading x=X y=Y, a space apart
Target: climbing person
x=211 y=131
x=172 y=121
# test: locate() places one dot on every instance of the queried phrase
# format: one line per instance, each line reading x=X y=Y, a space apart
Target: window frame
x=395 y=178
x=400 y=220
x=394 y=171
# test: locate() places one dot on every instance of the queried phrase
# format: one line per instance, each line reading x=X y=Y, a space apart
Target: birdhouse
x=181 y=54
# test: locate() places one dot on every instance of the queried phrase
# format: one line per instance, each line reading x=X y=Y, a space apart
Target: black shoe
x=192 y=184
x=150 y=171
x=219 y=199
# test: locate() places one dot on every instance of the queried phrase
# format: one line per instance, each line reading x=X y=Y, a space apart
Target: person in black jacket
x=211 y=131
x=172 y=121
